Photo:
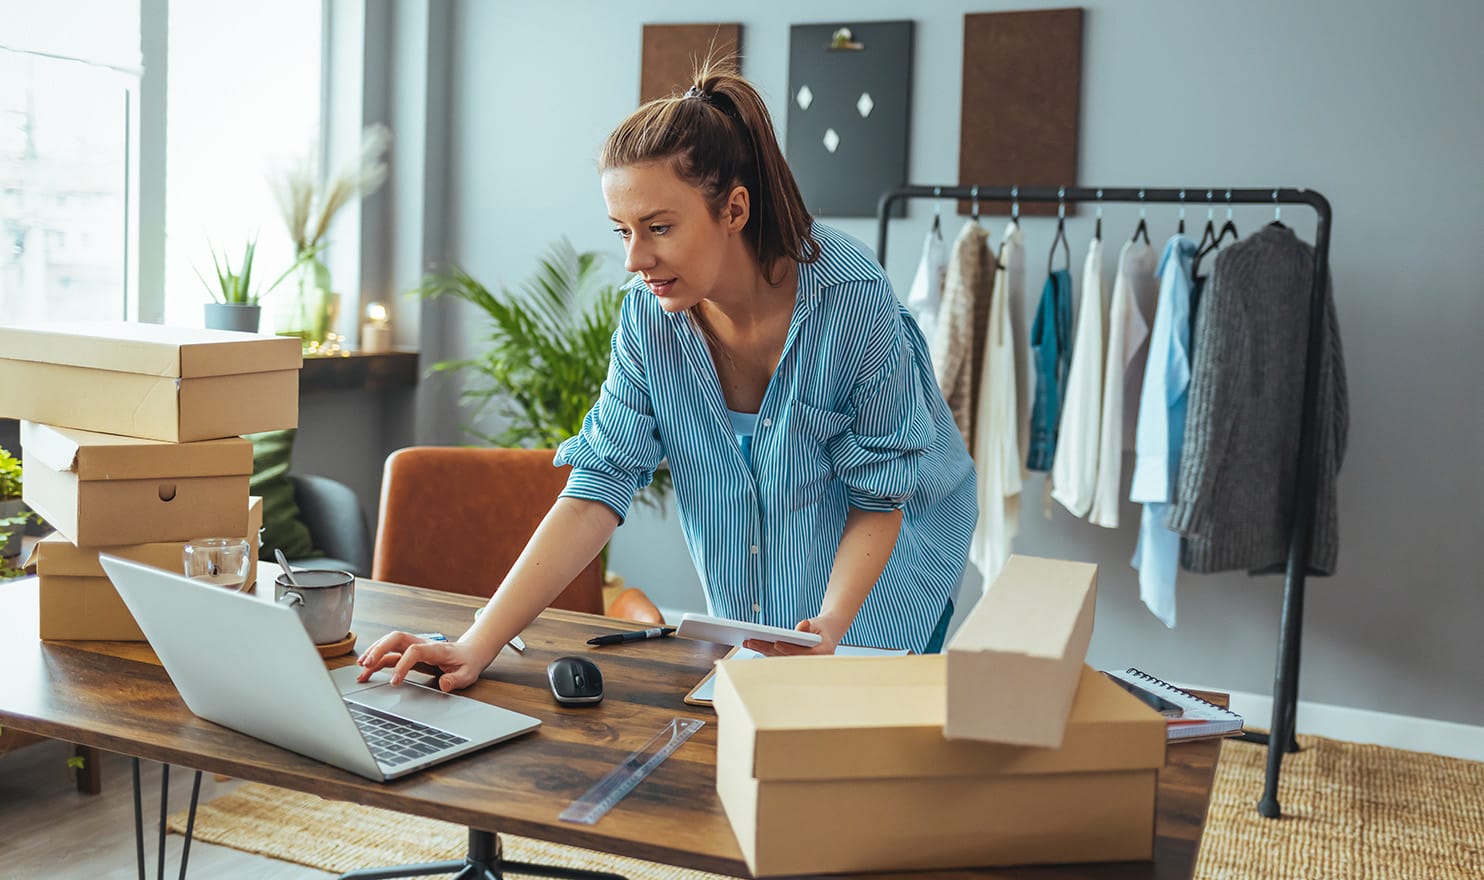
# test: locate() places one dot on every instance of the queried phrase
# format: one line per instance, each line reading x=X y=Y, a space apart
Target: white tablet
x=735 y=632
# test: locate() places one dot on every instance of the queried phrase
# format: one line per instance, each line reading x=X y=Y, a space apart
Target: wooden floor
x=49 y=830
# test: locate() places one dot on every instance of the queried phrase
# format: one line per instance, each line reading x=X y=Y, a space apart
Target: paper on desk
x=268 y=572
x=705 y=689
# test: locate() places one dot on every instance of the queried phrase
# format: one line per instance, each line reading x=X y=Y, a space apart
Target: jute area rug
x=1351 y=811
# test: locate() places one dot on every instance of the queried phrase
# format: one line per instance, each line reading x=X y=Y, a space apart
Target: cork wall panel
x=1022 y=98
x=672 y=52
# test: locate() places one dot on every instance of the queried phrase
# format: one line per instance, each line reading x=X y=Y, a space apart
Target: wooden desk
x=115 y=696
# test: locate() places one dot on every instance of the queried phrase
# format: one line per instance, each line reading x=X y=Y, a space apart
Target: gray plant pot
x=233 y=316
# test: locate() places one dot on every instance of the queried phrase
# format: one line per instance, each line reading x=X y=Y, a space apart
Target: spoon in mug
x=283 y=563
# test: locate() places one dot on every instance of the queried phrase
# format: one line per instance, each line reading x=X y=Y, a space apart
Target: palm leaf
x=546 y=347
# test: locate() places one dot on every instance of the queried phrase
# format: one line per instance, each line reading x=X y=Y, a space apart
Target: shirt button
x=756 y=608
x=767 y=423
x=754 y=549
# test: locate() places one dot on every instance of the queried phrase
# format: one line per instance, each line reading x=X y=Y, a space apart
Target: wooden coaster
x=337 y=649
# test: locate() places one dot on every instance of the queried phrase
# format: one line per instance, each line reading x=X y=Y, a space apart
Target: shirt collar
x=834 y=266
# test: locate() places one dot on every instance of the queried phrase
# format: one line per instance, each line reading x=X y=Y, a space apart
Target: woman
x=819 y=476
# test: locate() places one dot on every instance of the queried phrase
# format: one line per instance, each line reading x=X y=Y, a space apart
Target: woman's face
x=671 y=236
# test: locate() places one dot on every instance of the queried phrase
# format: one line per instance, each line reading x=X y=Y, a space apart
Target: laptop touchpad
x=345 y=679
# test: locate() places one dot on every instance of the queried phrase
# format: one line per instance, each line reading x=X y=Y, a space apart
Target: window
x=243 y=87
x=65 y=143
x=242 y=91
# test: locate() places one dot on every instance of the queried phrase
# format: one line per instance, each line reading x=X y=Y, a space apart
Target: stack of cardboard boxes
x=130 y=445
x=1006 y=750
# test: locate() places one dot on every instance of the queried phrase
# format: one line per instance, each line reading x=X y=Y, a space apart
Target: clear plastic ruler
x=598 y=800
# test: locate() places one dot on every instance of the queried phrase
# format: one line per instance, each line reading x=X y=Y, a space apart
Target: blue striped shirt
x=852 y=417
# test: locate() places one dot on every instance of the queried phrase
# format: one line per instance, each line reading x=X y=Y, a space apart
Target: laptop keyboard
x=395 y=741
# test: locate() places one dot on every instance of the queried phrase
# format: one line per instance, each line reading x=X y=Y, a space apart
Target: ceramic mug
x=323 y=599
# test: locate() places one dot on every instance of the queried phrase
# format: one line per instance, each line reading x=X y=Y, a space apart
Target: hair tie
x=696 y=92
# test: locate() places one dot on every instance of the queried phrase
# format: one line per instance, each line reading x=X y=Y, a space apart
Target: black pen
x=655 y=632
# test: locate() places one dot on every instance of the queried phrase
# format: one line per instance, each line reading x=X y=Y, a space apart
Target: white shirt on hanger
x=1074 y=470
x=1012 y=266
x=997 y=436
x=926 y=292
x=1135 y=289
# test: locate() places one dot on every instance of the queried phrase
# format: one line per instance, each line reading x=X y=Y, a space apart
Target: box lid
x=151 y=349
x=94 y=456
x=1035 y=607
x=1015 y=664
x=55 y=555
x=882 y=717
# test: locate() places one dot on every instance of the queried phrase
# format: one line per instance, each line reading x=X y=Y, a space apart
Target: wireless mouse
x=575 y=681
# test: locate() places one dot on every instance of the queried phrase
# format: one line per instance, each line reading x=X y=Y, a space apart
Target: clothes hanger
x=1229 y=225
x=1208 y=235
x=1216 y=239
x=974 y=195
x=1181 y=229
x=1015 y=204
x=1277 y=211
x=1097 y=230
x=1143 y=228
x=1061 y=232
x=937 y=213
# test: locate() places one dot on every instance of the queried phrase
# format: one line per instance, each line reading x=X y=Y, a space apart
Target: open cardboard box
x=78 y=601
x=147 y=380
x=839 y=764
x=103 y=490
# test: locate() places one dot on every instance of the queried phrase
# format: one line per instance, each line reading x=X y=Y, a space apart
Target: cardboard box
x=1016 y=661
x=103 y=490
x=838 y=764
x=78 y=602
x=146 y=380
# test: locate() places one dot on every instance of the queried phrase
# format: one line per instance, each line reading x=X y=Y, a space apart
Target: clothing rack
x=1285 y=684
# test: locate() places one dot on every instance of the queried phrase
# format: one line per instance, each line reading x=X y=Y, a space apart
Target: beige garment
x=996 y=436
x=958 y=341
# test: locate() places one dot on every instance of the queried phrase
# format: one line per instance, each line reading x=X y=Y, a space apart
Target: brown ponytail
x=719 y=135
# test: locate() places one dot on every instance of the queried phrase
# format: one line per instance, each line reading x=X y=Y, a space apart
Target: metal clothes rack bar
x=1286 y=673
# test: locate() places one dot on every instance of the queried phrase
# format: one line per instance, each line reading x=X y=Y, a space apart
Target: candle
x=376 y=333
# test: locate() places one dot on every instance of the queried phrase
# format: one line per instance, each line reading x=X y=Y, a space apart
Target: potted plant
x=548 y=348
x=235 y=301
x=308 y=203
x=13 y=514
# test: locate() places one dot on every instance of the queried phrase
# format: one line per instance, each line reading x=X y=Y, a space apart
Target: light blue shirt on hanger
x=1161 y=430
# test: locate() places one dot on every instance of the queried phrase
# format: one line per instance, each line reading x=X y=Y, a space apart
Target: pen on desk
x=654 y=632
x=514 y=642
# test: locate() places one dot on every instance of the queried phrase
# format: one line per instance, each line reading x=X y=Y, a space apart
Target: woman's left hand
x=826 y=629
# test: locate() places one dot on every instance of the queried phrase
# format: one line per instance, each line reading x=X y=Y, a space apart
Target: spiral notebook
x=1198 y=718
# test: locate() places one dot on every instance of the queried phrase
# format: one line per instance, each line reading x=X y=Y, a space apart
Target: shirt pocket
x=811 y=467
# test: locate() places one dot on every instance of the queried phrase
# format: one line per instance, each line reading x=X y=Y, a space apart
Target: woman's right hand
x=457 y=665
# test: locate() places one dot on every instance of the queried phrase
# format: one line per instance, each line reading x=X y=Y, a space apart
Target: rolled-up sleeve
x=618 y=447
x=878 y=454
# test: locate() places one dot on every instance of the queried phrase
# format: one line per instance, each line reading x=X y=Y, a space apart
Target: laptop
x=248 y=664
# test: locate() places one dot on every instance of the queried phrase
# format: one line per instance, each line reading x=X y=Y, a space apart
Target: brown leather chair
x=457 y=518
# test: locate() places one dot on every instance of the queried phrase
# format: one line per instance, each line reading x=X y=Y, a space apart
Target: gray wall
x=1375 y=104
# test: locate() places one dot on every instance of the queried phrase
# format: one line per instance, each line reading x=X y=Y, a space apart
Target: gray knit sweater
x=1239 y=465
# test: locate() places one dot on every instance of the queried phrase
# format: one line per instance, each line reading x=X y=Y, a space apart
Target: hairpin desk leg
x=185 y=852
